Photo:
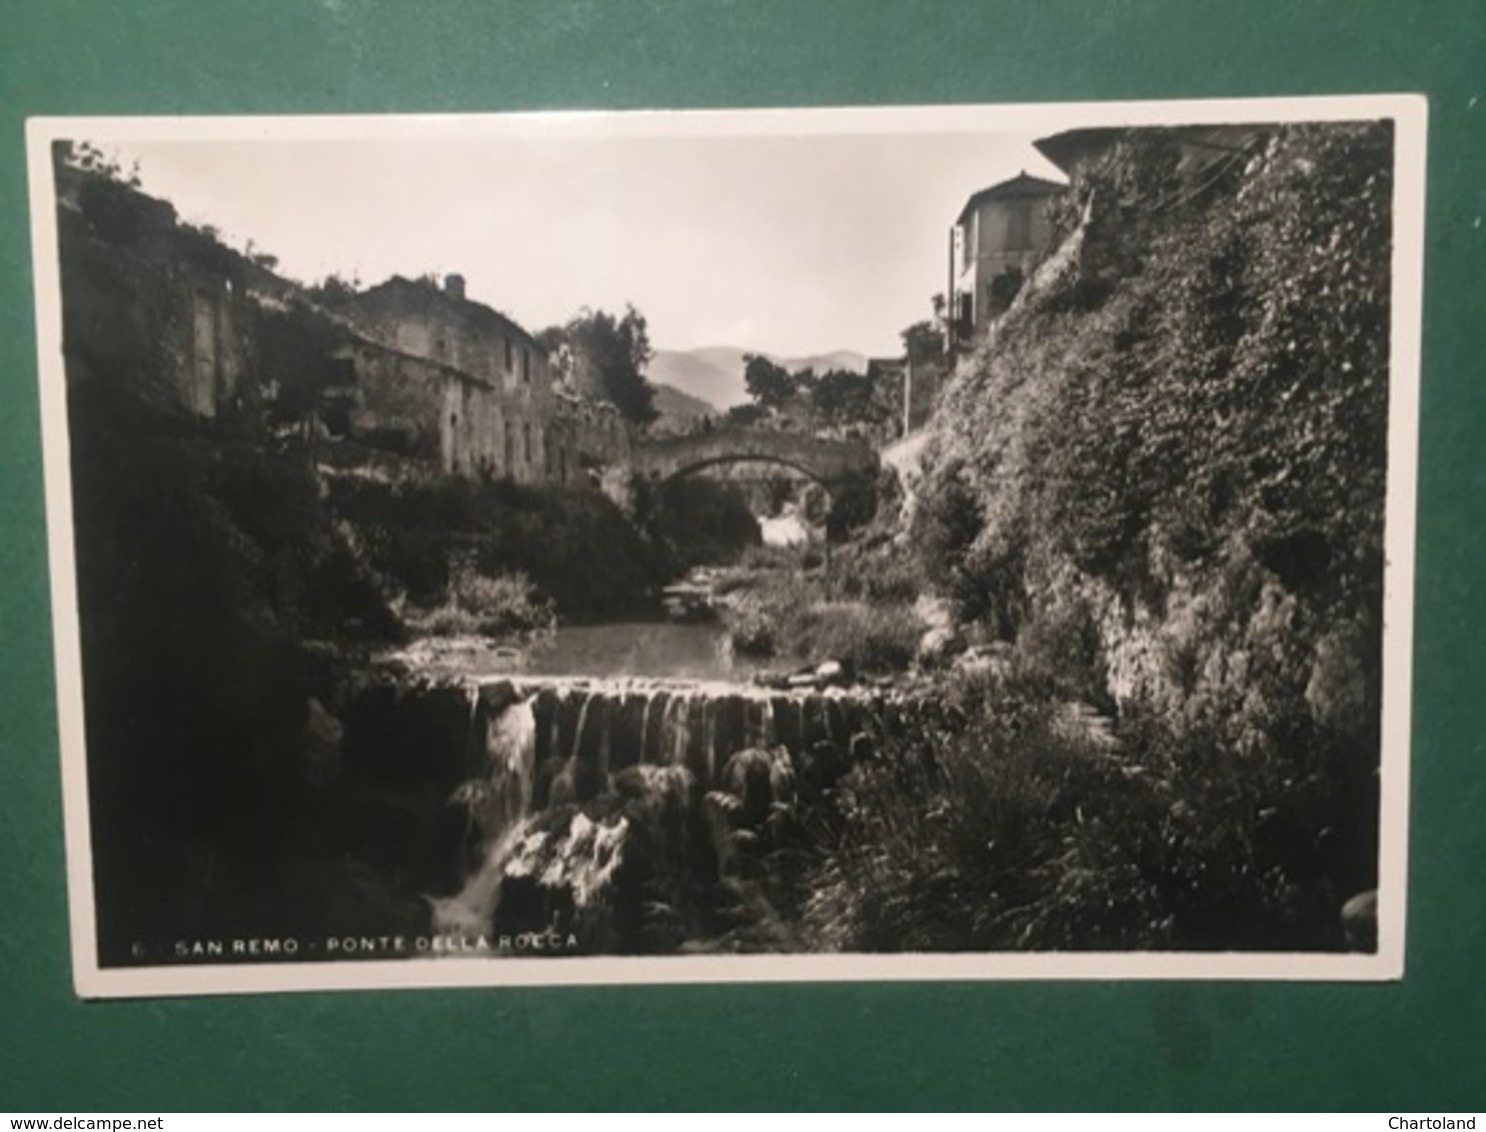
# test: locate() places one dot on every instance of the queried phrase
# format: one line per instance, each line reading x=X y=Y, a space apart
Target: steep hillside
x=1181 y=427
x=677 y=408
x=1158 y=492
x=695 y=376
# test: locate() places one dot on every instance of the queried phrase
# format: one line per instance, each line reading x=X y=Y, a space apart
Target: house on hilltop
x=999 y=236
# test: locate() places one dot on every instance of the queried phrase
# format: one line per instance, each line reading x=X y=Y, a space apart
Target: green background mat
x=1420 y=1044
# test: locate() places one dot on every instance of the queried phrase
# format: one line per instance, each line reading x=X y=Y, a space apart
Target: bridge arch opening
x=845 y=470
x=851 y=501
x=747 y=458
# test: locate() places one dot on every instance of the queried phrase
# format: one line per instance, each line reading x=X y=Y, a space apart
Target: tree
x=617 y=350
x=843 y=397
x=922 y=340
x=89 y=158
x=769 y=385
x=334 y=289
x=744 y=416
x=261 y=258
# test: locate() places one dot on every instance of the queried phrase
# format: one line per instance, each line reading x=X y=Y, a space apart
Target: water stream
x=623 y=768
x=662 y=650
x=564 y=767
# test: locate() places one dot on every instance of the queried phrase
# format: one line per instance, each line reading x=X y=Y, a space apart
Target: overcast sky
x=789 y=244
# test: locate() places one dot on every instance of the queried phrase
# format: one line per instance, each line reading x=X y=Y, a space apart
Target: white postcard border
x=1409 y=113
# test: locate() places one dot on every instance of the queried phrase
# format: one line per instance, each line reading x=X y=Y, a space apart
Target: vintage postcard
x=958 y=542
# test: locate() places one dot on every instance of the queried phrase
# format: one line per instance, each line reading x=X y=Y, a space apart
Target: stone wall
x=491 y=435
x=594 y=430
x=925 y=379
x=397 y=400
x=418 y=318
x=498 y=414
x=160 y=313
x=406 y=367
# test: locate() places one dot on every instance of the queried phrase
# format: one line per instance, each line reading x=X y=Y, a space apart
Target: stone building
x=439 y=323
x=999 y=236
x=433 y=361
x=156 y=307
x=409 y=370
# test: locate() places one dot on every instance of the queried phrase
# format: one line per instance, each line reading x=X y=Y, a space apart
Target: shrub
x=752 y=630
x=586 y=557
x=859 y=609
x=502 y=605
x=203 y=566
x=872 y=638
x=1028 y=828
x=951 y=839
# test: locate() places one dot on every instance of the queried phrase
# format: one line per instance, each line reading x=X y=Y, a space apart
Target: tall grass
x=1020 y=824
x=498 y=606
x=857 y=608
x=1161 y=490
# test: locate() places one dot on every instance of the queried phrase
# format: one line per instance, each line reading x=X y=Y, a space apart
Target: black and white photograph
x=957 y=542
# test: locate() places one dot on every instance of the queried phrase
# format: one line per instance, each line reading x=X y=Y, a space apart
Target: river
x=655 y=650
x=620 y=784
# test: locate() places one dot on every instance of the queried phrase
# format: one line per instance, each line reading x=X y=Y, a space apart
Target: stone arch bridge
x=835 y=464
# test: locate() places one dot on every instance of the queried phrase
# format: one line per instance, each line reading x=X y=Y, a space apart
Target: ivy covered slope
x=1163 y=477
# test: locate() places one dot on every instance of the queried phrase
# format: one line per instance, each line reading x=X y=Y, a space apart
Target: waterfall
x=550 y=819
x=644 y=730
x=578 y=730
x=470 y=911
x=554 y=725
x=511 y=763
x=825 y=712
x=613 y=713
x=709 y=741
x=500 y=803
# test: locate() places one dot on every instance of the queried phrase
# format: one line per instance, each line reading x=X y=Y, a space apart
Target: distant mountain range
x=676 y=407
x=713 y=375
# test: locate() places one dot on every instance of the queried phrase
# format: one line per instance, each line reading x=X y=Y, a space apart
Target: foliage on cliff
x=1185 y=419
x=1161 y=483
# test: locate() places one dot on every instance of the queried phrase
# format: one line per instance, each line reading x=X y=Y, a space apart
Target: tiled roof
x=1022 y=185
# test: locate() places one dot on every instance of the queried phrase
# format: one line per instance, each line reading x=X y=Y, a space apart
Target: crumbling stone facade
x=409 y=367
x=432 y=361
x=500 y=407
